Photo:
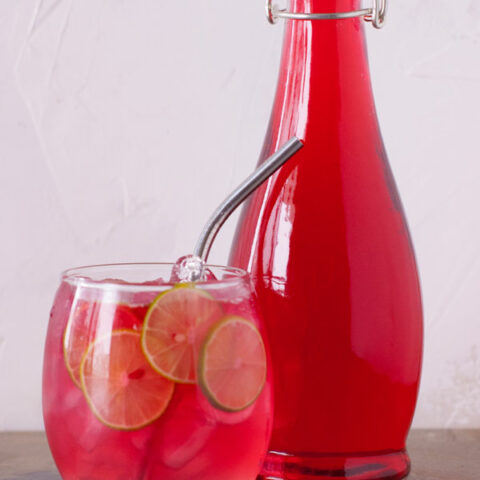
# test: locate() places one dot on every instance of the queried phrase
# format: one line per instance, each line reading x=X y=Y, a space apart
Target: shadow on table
x=38 y=476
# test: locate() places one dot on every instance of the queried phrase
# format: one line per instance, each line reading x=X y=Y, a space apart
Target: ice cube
x=182 y=450
x=188 y=269
x=90 y=434
x=185 y=431
x=218 y=416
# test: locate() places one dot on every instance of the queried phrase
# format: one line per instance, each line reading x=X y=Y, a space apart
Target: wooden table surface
x=436 y=455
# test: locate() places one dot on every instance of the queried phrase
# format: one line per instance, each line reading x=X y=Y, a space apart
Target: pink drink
x=328 y=248
x=189 y=436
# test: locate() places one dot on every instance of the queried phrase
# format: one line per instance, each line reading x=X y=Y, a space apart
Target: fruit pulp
x=190 y=439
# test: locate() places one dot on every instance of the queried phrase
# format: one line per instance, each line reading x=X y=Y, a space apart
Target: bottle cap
x=375 y=14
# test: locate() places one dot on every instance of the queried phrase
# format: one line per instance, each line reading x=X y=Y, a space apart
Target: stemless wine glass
x=145 y=378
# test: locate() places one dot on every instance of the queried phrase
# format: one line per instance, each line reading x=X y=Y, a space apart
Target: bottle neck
x=323 y=6
x=324 y=75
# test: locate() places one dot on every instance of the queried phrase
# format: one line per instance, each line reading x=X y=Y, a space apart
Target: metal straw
x=251 y=183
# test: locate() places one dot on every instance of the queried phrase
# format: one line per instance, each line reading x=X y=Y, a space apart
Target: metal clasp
x=375 y=14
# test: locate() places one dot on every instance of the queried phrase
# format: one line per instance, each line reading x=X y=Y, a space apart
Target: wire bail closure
x=375 y=14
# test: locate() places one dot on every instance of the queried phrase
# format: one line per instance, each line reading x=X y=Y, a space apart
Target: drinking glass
x=147 y=378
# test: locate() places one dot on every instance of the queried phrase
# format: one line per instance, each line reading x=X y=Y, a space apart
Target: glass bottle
x=327 y=244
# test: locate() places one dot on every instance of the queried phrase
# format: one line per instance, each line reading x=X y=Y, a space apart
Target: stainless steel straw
x=251 y=183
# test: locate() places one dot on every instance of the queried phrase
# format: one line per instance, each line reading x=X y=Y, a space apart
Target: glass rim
x=79 y=276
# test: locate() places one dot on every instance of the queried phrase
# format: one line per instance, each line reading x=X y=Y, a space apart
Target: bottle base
x=382 y=465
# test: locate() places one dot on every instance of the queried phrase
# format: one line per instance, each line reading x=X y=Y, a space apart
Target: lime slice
x=85 y=322
x=121 y=388
x=233 y=365
x=174 y=328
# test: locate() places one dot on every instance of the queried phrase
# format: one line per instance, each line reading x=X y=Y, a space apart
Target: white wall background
x=123 y=123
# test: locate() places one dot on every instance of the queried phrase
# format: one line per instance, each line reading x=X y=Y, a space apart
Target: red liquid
x=330 y=254
x=190 y=440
